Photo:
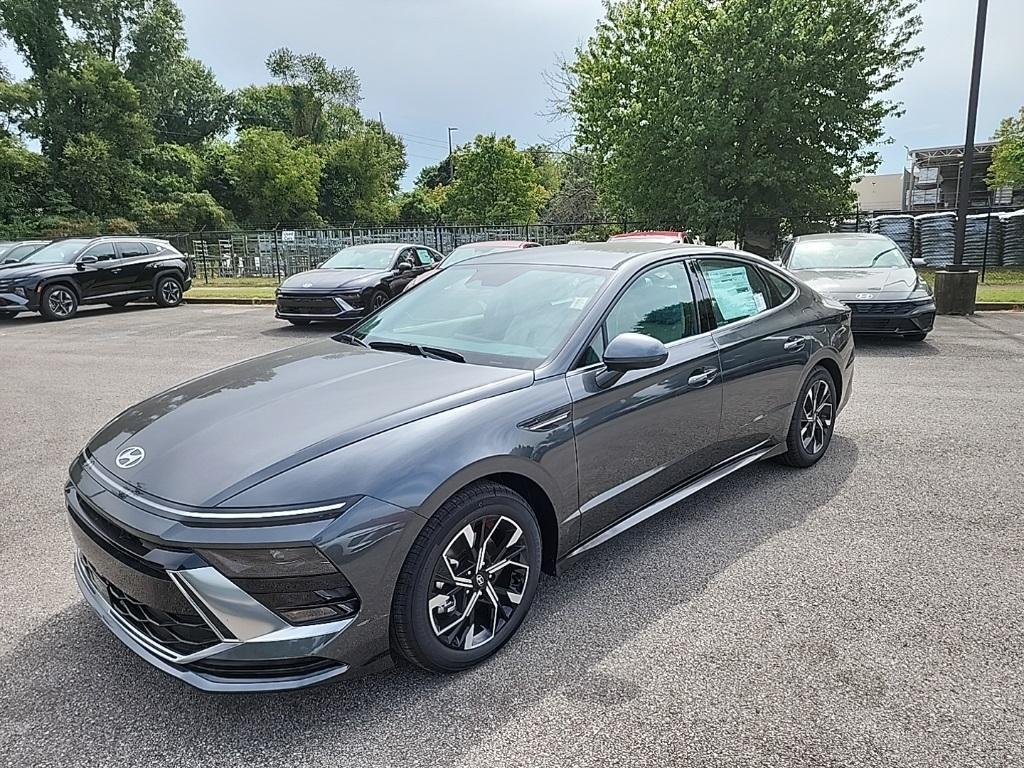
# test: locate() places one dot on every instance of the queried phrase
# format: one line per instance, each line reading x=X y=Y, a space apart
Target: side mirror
x=86 y=260
x=630 y=352
x=919 y=262
x=404 y=266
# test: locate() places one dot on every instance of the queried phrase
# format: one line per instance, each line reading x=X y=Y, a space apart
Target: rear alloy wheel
x=469 y=579
x=810 y=430
x=58 y=302
x=168 y=292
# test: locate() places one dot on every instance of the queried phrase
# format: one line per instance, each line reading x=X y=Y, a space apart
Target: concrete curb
x=227 y=300
x=999 y=306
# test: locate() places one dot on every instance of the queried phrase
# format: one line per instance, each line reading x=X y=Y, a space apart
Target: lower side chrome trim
x=744 y=459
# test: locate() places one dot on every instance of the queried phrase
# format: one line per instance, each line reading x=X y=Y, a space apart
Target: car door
x=135 y=265
x=403 y=277
x=764 y=345
x=101 y=277
x=652 y=429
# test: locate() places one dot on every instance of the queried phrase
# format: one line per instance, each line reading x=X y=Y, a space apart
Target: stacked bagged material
x=936 y=233
x=975 y=251
x=897 y=227
x=853 y=225
x=1013 y=238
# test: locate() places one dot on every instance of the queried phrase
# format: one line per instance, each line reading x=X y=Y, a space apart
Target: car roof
x=842 y=236
x=512 y=244
x=396 y=246
x=607 y=255
x=638 y=233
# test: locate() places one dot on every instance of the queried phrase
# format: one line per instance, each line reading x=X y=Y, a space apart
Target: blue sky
x=479 y=64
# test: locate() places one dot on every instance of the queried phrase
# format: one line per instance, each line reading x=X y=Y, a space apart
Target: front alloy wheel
x=58 y=302
x=479 y=582
x=816 y=417
x=468 y=580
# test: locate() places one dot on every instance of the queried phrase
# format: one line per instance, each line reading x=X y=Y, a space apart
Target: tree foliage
x=494 y=182
x=1007 y=168
x=722 y=112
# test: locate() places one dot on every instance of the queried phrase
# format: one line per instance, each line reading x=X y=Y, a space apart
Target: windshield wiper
x=415 y=349
x=880 y=255
x=348 y=338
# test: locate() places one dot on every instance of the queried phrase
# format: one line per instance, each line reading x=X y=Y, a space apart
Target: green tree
x=494 y=183
x=24 y=178
x=360 y=176
x=278 y=177
x=723 y=112
x=1007 y=168
x=577 y=198
x=433 y=176
x=312 y=86
x=422 y=205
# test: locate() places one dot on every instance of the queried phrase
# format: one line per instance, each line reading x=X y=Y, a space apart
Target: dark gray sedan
x=398 y=489
x=870 y=274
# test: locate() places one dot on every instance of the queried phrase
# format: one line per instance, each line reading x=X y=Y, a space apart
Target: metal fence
x=278 y=253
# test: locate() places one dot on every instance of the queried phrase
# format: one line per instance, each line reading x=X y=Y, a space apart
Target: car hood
x=848 y=283
x=15 y=271
x=210 y=438
x=332 y=279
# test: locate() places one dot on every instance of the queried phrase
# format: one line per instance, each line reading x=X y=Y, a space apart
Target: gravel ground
x=866 y=612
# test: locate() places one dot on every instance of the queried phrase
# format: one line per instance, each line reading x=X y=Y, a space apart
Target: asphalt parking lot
x=866 y=612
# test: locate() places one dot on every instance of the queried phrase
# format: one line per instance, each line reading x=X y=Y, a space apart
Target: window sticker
x=733 y=294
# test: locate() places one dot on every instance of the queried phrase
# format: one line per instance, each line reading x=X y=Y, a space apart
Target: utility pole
x=451 y=156
x=964 y=186
x=956 y=286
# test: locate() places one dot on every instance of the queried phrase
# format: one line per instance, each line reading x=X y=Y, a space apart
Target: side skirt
x=748 y=457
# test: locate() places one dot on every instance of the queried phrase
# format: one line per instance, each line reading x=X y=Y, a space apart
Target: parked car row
x=56 y=278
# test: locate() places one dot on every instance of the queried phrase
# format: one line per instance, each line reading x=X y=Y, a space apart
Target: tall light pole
x=956 y=286
x=964 y=187
x=451 y=157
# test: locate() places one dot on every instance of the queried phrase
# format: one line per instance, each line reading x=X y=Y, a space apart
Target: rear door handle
x=794 y=343
x=702 y=377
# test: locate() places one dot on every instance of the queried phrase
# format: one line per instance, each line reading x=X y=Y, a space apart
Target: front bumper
x=316 y=306
x=141 y=574
x=893 y=318
x=12 y=302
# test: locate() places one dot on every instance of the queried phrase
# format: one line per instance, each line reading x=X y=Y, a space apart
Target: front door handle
x=702 y=377
x=794 y=343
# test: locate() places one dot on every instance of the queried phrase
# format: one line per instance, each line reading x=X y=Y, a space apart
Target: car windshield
x=506 y=315
x=362 y=257
x=846 y=253
x=464 y=252
x=56 y=253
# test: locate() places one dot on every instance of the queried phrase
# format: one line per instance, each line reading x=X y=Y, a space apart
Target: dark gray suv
x=399 y=488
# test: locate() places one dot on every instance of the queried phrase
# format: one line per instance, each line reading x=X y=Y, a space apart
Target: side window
x=423 y=257
x=594 y=351
x=408 y=255
x=102 y=252
x=737 y=290
x=130 y=249
x=781 y=289
x=658 y=303
x=152 y=248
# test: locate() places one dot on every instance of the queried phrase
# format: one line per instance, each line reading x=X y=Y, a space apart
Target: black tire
x=58 y=302
x=492 y=512
x=168 y=291
x=299 y=322
x=376 y=300
x=803 y=449
x=915 y=336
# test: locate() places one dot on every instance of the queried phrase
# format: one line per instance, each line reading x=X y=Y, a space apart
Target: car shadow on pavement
x=74 y=693
x=86 y=310
x=891 y=347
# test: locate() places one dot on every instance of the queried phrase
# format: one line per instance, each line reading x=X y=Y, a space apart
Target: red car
x=654 y=236
x=469 y=250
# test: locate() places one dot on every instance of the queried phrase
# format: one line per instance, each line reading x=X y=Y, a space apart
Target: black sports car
x=353 y=282
x=870 y=274
x=59 y=277
x=399 y=488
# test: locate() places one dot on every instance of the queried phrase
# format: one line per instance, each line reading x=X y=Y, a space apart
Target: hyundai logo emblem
x=865 y=295
x=307 y=285
x=130 y=457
